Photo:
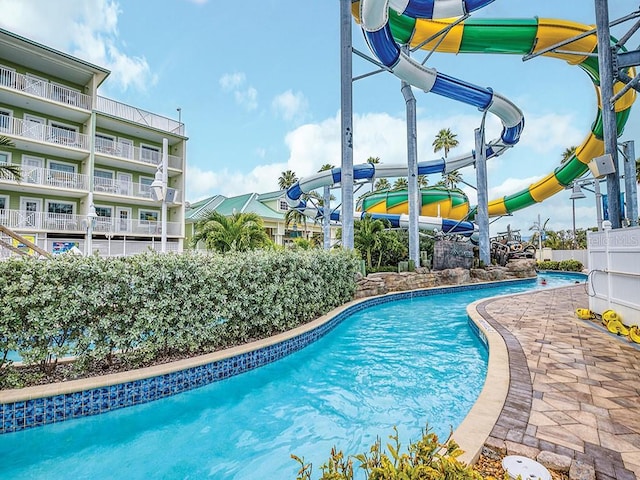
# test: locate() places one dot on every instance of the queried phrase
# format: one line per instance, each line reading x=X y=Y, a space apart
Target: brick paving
x=574 y=388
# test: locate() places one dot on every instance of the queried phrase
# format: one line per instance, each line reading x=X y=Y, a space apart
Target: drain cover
x=528 y=469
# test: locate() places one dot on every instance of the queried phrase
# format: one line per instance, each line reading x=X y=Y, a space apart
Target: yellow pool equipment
x=614 y=324
x=634 y=333
x=584 y=314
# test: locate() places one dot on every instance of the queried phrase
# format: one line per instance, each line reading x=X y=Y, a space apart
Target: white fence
x=614 y=272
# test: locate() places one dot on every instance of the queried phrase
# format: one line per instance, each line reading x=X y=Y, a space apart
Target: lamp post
x=91 y=218
x=576 y=194
x=159 y=192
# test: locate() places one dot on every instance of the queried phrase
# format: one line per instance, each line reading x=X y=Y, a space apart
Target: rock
x=553 y=461
x=494 y=448
x=581 y=471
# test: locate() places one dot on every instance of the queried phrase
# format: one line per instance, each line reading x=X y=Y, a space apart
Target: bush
x=426 y=459
x=151 y=306
x=564 y=265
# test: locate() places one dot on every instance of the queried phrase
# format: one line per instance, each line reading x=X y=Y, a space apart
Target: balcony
x=136 y=115
x=22 y=220
x=120 y=187
x=44 y=89
x=34 y=176
x=47 y=134
x=110 y=148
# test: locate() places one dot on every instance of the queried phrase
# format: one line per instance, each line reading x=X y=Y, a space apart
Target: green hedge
x=149 y=306
x=564 y=265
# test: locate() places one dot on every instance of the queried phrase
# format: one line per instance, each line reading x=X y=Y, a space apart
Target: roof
x=227 y=206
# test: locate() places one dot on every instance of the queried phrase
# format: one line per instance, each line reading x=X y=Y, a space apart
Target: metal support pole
x=630 y=185
x=605 y=64
x=326 y=220
x=415 y=204
x=482 y=216
x=346 y=111
x=596 y=188
x=573 y=210
x=165 y=184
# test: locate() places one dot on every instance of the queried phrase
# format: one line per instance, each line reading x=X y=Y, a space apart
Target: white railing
x=133 y=114
x=119 y=187
x=43 y=133
x=124 y=150
x=23 y=220
x=44 y=89
x=51 y=178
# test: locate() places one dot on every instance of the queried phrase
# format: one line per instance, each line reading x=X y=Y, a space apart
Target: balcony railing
x=125 y=150
x=44 y=89
x=52 y=178
x=44 y=133
x=120 y=187
x=61 y=222
x=133 y=114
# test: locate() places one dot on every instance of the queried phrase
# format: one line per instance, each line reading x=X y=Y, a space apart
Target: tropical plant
x=451 y=179
x=423 y=181
x=373 y=161
x=567 y=154
x=400 y=183
x=445 y=140
x=367 y=236
x=382 y=184
x=9 y=171
x=239 y=232
x=286 y=179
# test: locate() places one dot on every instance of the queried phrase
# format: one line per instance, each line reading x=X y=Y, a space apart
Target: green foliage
x=564 y=265
x=150 y=306
x=426 y=459
x=238 y=233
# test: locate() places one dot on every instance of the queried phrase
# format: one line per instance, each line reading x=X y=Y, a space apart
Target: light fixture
x=157 y=186
x=577 y=193
x=91 y=213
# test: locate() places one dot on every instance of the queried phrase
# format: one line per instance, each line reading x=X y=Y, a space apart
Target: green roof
x=247 y=203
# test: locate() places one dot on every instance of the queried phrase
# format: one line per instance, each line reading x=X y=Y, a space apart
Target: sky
x=257 y=84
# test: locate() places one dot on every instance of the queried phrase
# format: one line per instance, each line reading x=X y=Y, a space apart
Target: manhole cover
x=528 y=469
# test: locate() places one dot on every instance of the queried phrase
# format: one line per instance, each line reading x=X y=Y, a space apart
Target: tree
x=452 y=179
x=367 y=236
x=567 y=154
x=400 y=183
x=382 y=184
x=445 y=140
x=373 y=161
x=9 y=171
x=286 y=179
x=423 y=181
x=238 y=233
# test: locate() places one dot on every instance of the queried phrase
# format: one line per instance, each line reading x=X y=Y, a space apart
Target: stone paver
x=574 y=389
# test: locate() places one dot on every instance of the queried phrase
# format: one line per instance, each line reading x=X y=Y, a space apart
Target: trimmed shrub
x=564 y=265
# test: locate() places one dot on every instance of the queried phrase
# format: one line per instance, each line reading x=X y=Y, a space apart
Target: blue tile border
x=35 y=412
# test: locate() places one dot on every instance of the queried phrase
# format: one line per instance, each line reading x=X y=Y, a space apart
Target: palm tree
x=445 y=140
x=382 y=184
x=373 y=161
x=238 y=233
x=7 y=170
x=286 y=179
x=567 y=154
x=400 y=183
x=423 y=181
x=366 y=236
x=452 y=179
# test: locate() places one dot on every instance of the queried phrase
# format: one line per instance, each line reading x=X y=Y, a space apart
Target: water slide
x=387 y=24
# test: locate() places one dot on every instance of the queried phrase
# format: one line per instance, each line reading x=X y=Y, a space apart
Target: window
x=149 y=215
x=102 y=211
x=5 y=158
x=284 y=206
x=62 y=166
x=7 y=76
x=145 y=186
x=5 y=120
x=105 y=144
x=103 y=181
x=149 y=154
x=63 y=134
x=4 y=205
x=106 y=174
x=103 y=222
x=60 y=207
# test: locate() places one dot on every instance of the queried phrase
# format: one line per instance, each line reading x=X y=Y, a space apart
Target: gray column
x=482 y=213
x=346 y=110
x=326 y=220
x=415 y=203
x=630 y=185
x=605 y=64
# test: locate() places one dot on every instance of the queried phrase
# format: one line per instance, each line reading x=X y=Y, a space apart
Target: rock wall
x=386 y=282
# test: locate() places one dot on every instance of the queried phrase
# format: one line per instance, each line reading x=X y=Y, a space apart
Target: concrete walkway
x=574 y=388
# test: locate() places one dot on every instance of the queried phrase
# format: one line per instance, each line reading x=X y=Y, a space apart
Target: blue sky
x=258 y=86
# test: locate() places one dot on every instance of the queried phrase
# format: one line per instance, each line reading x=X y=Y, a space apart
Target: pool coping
x=44 y=404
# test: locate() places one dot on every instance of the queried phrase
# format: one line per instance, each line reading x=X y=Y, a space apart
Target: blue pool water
x=402 y=363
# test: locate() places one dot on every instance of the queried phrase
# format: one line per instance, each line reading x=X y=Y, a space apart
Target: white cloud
x=87 y=29
x=235 y=83
x=290 y=106
x=198 y=2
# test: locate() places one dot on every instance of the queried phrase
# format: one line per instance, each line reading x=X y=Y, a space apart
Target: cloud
x=290 y=106
x=235 y=83
x=198 y=2
x=87 y=29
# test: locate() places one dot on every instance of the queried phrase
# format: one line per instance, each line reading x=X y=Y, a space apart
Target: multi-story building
x=87 y=162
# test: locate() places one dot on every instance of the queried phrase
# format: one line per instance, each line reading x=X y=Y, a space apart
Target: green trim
x=508 y=36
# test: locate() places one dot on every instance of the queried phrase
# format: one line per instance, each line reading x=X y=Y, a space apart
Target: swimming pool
x=377 y=369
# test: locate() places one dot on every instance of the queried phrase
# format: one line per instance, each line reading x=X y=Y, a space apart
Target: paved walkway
x=574 y=388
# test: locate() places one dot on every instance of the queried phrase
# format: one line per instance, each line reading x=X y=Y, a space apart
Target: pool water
x=402 y=363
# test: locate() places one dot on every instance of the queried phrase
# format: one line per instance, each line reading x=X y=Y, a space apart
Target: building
x=87 y=161
x=271 y=207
